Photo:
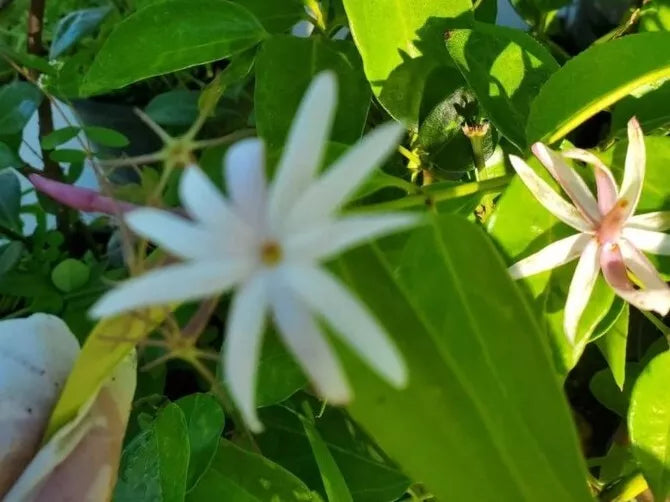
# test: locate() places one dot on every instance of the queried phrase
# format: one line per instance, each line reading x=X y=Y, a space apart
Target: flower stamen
x=271 y=253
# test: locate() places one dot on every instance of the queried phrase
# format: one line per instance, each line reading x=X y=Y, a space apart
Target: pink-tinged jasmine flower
x=611 y=237
x=267 y=242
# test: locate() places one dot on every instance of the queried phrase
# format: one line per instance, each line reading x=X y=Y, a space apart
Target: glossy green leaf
x=486 y=11
x=104 y=136
x=613 y=346
x=18 y=102
x=67 y=155
x=390 y=32
x=204 y=420
x=279 y=376
x=285 y=66
x=521 y=226
x=532 y=10
x=607 y=391
x=649 y=424
x=505 y=68
x=595 y=79
x=275 y=16
x=178 y=107
x=10 y=200
x=59 y=136
x=479 y=369
x=236 y=474
x=75 y=26
x=70 y=275
x=368 y=472
x=655 y=16
x=154 y=464
x=171 y=36
x=10 y=255
x=652 y=110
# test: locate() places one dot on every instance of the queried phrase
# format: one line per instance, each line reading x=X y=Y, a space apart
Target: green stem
x=439 y=192
x=658 y=323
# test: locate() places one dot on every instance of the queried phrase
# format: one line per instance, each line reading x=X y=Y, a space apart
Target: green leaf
x=285 y=66
x=486 y=11
x=237 y=70
x=70 y=275
x=154 y=464
x=279 y=376
x=204 y=420
x=68 y=155
x=649 y=424
x=75 y=26
x=532 y=10
x=276 y=17
x=505 y=68
x=8 y=157
x=613 y=346
x=178 y=107
x=651 y=110
x=59 y=136
x=522 y=226
x=104 y=136
x=18 y=102
x=239 y=475
x=655 y=16
x=10 y=255
x=607 y=391
x=10 y=200
x=172 y=35
x=479 y=369
x=333 y=482
x=595 y=79
x=390 y=32
x=368 y=472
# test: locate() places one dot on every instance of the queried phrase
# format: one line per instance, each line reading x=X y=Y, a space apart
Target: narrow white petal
x=175 y=283
x=245 y=179
x=331 y=190
x=640 y=265
x=552 y=256
x=648 y=240
x=350 y=319
x=308 y=344
x=178 y=236
x=244 y=334
x=328 y=239
x=546 y=196
x=305 y=145
x=580 y=289
x=570 y=181
x=633 y=175
x=658 y=220
x=606 y=186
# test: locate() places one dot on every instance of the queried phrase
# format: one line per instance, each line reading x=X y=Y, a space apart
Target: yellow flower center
x=271 y=253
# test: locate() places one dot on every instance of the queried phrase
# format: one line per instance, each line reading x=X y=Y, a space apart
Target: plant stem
x=658 y=324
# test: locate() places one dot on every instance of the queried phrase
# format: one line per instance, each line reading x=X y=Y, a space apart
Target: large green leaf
x=483 y=416
x=389 y=33
x=154 y=464
x=239 y=475
x=652 y=110
x=276 y=16
x=368 y=472
x=613 y=346
x=279 y=376
x=204 y=420
x=649 y=424
x=522 y=226
x=596 y=78
x=10 y=200
x=285 y=67
x=18 y=102
x=170 y=36
x=505 y=68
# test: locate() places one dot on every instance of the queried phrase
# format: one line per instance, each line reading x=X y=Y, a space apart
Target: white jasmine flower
x=81 y=460
x=611 y=237
x=267 y=242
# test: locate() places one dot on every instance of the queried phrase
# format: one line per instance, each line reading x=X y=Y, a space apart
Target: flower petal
x=307 y=343
x=36 y=356
x=633 y=175
x=658 y=220
x=325 y=240
x=546 y=195
x=351 y=320
x=332 y=189
x=178 y=236
x=241 y=351
x=554 y=255
x=581 y=288
x=304 y=147
x=175 y=283
x=245 y=179
x=614 y=270
x=648 y=240
x=570 y=181
x=605 y=183
x=640 y=265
